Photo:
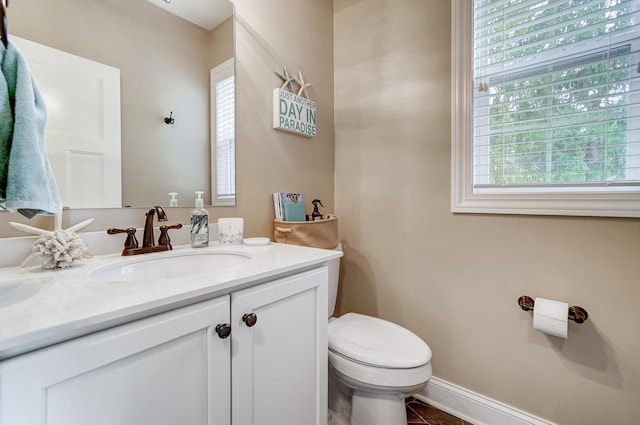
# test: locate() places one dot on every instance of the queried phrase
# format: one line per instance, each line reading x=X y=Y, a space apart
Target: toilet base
x=356 y=403
x=378 y=409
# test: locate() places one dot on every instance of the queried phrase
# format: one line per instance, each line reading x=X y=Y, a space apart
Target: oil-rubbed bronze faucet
x=147 y=238
x=148 y=244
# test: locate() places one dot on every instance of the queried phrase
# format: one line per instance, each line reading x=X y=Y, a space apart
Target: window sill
x=613 y=205
x=224 y=202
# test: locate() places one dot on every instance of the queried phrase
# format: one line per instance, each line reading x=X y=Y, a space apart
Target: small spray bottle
x=316 y=213
x=199 y=224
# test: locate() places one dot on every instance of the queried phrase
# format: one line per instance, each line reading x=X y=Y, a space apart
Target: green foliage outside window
x=565 y=122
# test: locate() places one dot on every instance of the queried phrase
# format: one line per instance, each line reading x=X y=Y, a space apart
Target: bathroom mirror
x=164 y=63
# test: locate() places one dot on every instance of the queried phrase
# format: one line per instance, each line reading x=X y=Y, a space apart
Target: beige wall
x=455 y=279
x=220 y=44
x=271 y=35
x=267 y=160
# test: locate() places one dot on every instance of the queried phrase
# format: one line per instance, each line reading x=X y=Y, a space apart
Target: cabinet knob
x=223 y=330
x=250 y=319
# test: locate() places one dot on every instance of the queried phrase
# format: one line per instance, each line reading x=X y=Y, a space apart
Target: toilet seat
x=377 y=343
x=379 y=379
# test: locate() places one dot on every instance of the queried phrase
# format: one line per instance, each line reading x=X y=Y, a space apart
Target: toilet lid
x=377 y=342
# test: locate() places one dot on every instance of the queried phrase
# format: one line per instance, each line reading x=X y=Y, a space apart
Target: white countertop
x=43 y=307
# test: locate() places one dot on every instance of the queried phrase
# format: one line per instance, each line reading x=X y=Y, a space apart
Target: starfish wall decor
x=293 y=111
x=288 y=82
x=303 y=85
x=287 y=79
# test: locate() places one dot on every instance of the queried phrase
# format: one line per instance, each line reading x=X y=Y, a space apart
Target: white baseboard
x=473 y=407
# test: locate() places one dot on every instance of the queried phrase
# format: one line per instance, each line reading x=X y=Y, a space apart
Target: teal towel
x=27 y=184
x=6 y=131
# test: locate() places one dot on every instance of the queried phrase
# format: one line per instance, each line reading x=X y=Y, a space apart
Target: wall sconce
x=169 y=119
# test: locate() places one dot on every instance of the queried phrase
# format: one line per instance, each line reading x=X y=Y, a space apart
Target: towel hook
x=575 y=313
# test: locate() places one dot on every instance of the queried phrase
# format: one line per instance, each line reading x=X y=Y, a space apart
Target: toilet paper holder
x=576 y=313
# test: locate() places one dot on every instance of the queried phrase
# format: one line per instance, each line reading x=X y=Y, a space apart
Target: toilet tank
x=334 y=275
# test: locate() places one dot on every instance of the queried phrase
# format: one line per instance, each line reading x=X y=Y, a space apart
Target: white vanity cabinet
x=167 y=369
x=279 y=365
x=174 y=368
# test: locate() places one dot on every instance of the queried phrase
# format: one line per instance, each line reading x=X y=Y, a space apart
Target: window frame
x=219 y=73
x=463 y=197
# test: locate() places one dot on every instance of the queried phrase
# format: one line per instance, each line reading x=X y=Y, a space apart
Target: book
x=289 y=206
x=277 y=207
x=294 y=212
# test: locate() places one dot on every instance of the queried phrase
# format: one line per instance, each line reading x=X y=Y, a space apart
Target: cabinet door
x=165 y=370
x=279 y=365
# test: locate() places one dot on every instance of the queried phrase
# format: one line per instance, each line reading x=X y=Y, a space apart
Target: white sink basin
x=154 y=267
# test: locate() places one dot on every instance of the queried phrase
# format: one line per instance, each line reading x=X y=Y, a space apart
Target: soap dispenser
x=199 y=224
x=173 y=202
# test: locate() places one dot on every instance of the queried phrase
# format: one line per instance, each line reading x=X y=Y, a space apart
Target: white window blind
x=556 y=96
x=223 y=131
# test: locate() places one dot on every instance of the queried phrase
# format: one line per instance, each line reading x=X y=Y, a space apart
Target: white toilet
x=373 y=366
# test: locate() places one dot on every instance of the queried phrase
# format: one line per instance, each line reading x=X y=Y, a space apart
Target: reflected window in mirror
x=223 y=135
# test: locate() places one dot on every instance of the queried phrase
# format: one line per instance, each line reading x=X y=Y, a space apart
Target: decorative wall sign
x=292 y=112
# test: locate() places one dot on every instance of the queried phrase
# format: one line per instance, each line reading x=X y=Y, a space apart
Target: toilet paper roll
x=551 y=317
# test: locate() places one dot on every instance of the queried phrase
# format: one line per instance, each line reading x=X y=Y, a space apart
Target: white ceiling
x=207 y=14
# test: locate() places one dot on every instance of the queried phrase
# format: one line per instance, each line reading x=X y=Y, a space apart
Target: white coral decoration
x=58 y=248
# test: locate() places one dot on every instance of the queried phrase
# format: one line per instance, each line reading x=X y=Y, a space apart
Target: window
x=223 y=135
x=546 y=107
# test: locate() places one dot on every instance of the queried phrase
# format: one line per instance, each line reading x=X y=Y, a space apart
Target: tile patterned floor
x=419 y=412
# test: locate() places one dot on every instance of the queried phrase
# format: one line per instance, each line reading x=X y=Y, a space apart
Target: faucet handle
x=164 y=234
x=131 y=241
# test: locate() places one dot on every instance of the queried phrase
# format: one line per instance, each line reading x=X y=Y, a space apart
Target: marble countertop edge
x=64 y=304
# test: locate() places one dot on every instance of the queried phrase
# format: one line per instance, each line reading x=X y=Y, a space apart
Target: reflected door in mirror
x=83 y=126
